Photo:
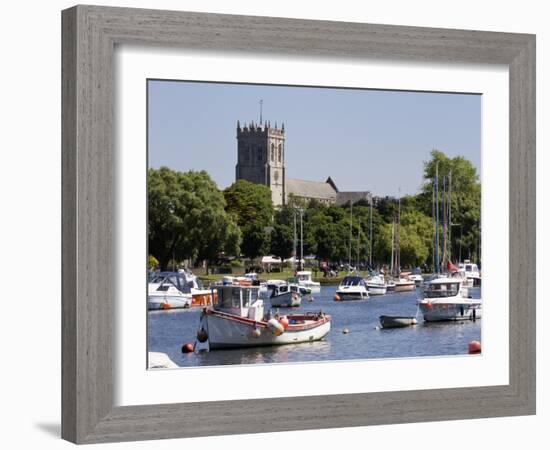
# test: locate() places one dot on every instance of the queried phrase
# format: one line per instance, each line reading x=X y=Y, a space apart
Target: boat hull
x=404 y=287
x=224 y=332
x=397 y=321
x=438 y=312
x=343 y=296
x=285 y=300
x=376 y=290
x=155 y=303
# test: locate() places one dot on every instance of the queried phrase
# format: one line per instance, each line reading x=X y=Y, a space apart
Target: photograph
x=301 y=224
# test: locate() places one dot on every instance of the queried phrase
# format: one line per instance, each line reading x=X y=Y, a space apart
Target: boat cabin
x=303 y=275
x=167 y=279
x=241 y=301
x=353 y=280
x=443 y=287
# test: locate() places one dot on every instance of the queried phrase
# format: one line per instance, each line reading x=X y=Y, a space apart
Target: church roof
x=343 y=198
x=310 y=189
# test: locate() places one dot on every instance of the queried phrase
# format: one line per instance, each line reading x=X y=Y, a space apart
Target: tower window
x=280 y=153
x=273 y=152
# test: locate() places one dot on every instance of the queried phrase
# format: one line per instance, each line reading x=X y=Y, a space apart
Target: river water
x=168 y=330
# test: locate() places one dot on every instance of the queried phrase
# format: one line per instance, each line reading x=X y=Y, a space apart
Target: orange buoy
x=474 y=347
x=337 y=298
x=283 y=320
x=255 y=333
x=187 y=348
x=166 y=306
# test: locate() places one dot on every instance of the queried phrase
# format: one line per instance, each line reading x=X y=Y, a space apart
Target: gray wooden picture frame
x=90 y=34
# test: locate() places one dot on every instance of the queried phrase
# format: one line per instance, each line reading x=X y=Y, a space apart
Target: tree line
x=190 y=218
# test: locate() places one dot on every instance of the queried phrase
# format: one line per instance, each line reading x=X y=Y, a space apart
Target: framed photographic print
x=293 y=214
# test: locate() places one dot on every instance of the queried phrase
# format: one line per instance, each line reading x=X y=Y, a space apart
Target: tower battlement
x=261 y=156
x=264 y=128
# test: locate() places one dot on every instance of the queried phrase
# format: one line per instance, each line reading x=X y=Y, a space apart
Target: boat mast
x=370 y=233
x=350 y=233
x=392 y=244
x=450 y=203
x=301 y=239
x=437 y=216
x=397 y=236
x=433 y=225
x=294 y=243
x=444 y=211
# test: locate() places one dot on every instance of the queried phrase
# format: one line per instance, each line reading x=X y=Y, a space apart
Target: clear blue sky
x=364 y=139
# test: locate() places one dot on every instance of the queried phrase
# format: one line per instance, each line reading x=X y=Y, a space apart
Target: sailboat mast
x=301 y=240
x=350 y=232
x=433 y=225
x=437 y=216
x=450 y=213
x=370 y=233
x=294 y=243
x=444 y=210
x=398 y=234
x=392 y=244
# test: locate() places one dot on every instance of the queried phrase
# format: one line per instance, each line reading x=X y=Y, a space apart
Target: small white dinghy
x=237 y=319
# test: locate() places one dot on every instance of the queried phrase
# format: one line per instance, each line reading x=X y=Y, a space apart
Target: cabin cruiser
x=352 y=287
x=237 y=319
x=376 y=285
x=446 y=298
x=416 y=276
x=470 y=273
x=281 y=294
x=168 y=290
x=304 y=279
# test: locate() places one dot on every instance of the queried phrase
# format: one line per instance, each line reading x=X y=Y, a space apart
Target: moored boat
x=445 y=299
x=167 y=290
x=397 y=321
x=237 y=319
x=376 y=285
x=352 y=287
x=281 y=294
x=304 y=279
x=404 y=285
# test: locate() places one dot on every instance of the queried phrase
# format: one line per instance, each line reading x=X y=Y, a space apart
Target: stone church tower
x=261 y=157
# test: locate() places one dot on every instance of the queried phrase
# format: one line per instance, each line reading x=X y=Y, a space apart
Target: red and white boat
x=237 y=319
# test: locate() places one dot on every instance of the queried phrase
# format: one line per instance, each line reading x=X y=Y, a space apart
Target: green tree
x=187 y=218
x=252 y=207
x=465 y=201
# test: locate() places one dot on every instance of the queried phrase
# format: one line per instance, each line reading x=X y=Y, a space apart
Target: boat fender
x=166 y=306
x=429 y=305
x=283 y=320
x=474 y=347
x=337 y=298
x=255 y=333
x=202 y=336
x=187 y=348
x=275 y=327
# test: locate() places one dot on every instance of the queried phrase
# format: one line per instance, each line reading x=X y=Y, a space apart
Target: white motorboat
x=447 y=299
x=304 y=279
x=237 y=319
x=352 y=287
x=470 y=273
x=281 y=294
x=404 y=285
x=376 y=285
x=167 y=290
x=416 y=276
